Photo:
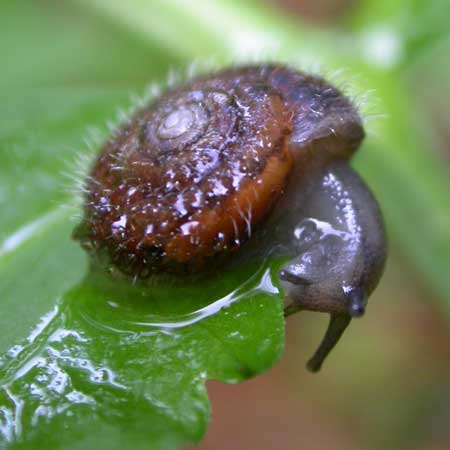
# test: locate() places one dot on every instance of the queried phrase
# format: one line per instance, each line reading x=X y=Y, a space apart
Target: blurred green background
x=387 y=385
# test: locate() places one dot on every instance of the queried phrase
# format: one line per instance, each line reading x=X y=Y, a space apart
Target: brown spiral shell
x=190 y=176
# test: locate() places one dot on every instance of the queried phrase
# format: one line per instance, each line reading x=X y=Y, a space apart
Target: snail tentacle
x=336 y=327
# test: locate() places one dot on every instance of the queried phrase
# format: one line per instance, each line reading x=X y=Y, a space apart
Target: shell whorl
x=192 y=174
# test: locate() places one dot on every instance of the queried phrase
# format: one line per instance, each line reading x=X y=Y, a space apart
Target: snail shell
x=190 y=177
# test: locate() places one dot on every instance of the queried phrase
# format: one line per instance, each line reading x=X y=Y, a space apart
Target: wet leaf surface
x=89 y=360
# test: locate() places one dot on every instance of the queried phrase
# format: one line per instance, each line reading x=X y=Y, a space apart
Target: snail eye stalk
x=357 y=303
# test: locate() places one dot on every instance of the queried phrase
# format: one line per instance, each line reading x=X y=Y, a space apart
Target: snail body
x=250 y=151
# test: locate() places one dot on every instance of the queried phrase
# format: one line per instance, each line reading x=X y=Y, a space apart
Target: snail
x=250 y=157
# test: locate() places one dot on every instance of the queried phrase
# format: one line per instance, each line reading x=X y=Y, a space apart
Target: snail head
x=339 y=253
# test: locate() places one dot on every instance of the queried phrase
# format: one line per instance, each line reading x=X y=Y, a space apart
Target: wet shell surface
x=190 y=177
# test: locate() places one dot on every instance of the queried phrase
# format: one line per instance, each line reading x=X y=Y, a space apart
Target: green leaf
x=37 y=145
x=108 y=364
